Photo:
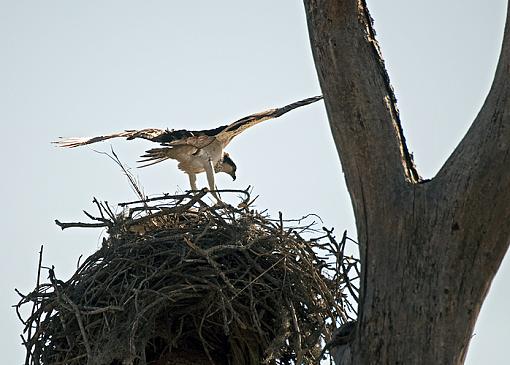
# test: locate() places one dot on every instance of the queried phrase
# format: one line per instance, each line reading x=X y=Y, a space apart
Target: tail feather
x=154 y=156
x=153 y=161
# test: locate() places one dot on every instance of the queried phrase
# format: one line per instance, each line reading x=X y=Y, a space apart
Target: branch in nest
x=79 y=225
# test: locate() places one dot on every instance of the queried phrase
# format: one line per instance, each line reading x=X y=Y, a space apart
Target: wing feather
x=197 y=139
x=237 y=127
x=198 y=142
x=151 y=134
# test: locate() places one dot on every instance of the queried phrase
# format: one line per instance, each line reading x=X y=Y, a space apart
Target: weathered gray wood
x=429 y=249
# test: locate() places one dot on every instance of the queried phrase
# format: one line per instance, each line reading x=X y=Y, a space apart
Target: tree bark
x=429 y=249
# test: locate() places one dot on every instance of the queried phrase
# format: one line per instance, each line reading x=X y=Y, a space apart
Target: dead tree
x=429 y=248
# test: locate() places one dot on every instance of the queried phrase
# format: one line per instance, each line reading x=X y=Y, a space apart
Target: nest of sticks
x=177 y=276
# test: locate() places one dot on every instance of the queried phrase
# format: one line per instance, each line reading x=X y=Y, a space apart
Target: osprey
x=196 y=151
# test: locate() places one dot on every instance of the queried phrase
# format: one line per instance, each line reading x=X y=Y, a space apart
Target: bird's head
x=227 y=166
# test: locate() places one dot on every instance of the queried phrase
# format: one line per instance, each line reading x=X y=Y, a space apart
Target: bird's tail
x=154 y=156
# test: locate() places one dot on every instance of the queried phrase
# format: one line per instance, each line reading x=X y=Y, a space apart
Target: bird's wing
x=196 y=139
x=226 y=133
x=151 y=134
x=165 y=137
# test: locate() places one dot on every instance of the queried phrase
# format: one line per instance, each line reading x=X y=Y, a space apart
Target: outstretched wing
x=198 y=139
x=226 y=133
x=151 y=134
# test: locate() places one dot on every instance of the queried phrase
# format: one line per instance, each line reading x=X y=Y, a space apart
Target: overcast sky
x=73 y=68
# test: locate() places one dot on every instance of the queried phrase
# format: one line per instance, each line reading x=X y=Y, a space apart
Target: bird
x=196 y=151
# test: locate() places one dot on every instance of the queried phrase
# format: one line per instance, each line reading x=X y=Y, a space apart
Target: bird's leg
x=209 y=170
x=193 y=181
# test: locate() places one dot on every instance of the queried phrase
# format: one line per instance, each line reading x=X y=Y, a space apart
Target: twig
x=79 y=319
x=63 y=225
x=34 y=307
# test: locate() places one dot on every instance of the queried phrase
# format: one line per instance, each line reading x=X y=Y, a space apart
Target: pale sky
x=77 y=68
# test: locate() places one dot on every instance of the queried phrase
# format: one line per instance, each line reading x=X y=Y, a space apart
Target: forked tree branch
x=429 y=250
x=365 y=123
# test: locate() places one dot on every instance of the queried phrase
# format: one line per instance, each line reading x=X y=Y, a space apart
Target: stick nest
x=176 y=275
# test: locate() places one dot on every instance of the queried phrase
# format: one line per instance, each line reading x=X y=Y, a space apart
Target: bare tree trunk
x=429 y=249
